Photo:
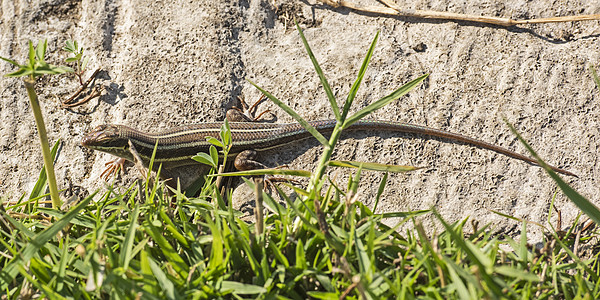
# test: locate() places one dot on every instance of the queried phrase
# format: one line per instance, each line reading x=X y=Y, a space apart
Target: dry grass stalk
x=394 y=10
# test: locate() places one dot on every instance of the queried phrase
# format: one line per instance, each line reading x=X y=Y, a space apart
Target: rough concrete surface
x=169 y=63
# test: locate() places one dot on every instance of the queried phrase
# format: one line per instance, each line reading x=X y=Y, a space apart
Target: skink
x=176 y=146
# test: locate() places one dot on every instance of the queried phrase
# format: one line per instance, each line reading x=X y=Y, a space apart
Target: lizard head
x=107 y=138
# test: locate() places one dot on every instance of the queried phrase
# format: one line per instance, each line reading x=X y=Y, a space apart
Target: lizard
x=176 y=146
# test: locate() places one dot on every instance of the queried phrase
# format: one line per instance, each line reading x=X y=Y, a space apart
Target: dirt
x=165 y=64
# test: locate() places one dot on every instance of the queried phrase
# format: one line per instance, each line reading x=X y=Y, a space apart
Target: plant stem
x=39 y=121
x=327 y=152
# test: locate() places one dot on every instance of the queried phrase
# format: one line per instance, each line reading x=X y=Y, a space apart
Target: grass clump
x=142 y=243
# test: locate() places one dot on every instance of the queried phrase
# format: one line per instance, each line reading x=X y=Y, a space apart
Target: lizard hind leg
x=246 y=160
x=246 y=114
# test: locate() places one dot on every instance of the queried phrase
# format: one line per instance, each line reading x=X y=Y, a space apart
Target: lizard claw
x=112 y=168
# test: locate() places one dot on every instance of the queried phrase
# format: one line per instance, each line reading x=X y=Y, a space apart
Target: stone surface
x=168 y=63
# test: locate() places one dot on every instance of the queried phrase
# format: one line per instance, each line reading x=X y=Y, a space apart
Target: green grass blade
x=364 y=262
x=301 y=173
x=324 y=83
x=125 y=256
x=278 y=255
x=383 y=101
x=62 y=266
x=173 y=229
x=216 y=254
x=523 y=252
x=585 y=205
x=516 y=273
x=380 y=190
x=359 y=78
x=515 y=218
x=147 y=273
x=242 y=288
x=400 y=214
x=164 y=282
x=294 y=115
x=300 y=256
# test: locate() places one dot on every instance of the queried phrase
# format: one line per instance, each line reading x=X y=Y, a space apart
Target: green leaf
x=62 y=69
x=31 y=56
x=146 y=271
x=214 y=155
x=214 y=141
x=277 y=252
x=11 y=61
x=523 y=251
x=51 y=70
x=71 y=59
x=40 y=50
x=85 y=62
x=69 y=46
x=372 y=166
x=225 y=133
x=19 y=73
x=62 y=268
x=216 y=253
x=364 y=262
x=383 y=101
x=204 y=158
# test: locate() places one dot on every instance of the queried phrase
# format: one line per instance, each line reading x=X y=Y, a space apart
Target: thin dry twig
x=69 y=102
x=395 y=10
x=96 y=92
